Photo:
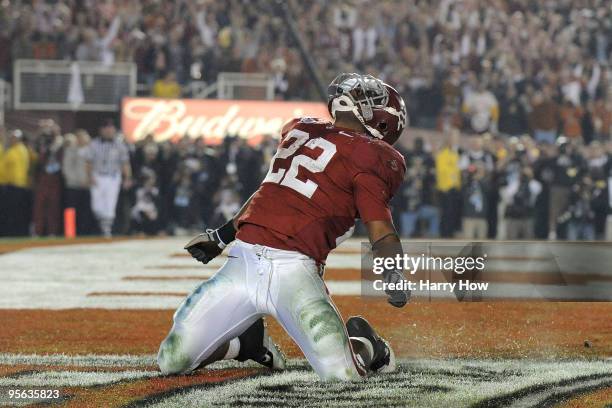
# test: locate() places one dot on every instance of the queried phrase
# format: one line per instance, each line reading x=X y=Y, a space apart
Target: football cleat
x=383 y=357
x=256 y=345
x=274 y=357
x=389 y=364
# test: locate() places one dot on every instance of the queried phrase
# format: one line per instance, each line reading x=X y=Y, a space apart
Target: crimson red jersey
x=320 y=180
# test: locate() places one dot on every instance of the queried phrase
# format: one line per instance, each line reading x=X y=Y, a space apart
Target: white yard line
x=112 y=275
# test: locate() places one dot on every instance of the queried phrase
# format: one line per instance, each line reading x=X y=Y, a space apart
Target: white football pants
x=255 y=281
x=104 y=195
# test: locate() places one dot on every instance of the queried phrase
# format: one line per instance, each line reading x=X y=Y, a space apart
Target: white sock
x=233 y=349
x=106 y=225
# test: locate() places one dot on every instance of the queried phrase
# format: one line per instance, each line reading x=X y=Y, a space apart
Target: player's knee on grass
x=340 y=374
x=172 y=358
x=324 y=330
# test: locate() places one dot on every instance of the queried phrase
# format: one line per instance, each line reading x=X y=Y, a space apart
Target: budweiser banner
x=212 y=119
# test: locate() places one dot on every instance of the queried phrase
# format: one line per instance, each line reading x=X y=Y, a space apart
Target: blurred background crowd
x=475 y=187
x=511 y=66
x=168 y=188
x=529 y=80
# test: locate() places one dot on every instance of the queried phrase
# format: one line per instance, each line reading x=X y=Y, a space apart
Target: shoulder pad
x=287 y=127
x=308 y=119
x=370 y=154
x=307 y=124
x=381 y=159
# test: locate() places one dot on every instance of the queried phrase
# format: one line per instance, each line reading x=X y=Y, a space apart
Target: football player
x=323 y=176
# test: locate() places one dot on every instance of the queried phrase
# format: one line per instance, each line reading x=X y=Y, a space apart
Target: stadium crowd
x=474 y=187
x=153 y=187
x=510 y=65
x=530 y=79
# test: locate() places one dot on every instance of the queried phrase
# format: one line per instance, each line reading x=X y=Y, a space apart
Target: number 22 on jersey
x=288 y=177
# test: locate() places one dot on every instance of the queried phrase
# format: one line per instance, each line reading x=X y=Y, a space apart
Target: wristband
x=226 y=233
x=379 y=240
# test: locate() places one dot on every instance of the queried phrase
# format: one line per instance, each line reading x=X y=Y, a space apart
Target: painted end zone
x=128 y=381
x=89 y=319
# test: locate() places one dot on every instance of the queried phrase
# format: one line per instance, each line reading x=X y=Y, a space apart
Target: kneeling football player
x=323 y=176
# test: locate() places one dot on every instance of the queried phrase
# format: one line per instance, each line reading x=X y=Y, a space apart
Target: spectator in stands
x=598 y=163
x=14 y=167
x=521 y=194
x=167 y=87
x=543 y=119
x=76 y=180
x=109 y=170
x=513 y=115
x=602 y=119
x=48 y=180
x=481 y=108
x=182 y=202
x=476 y=153
x=279 y=76
x=544 y=171
x=568 y=168
x=479 y=154
x=571 y=119
x=448 y=184
x=600 y=201
x=206 y=180
x=580 y=216
x=97 y=45
x=145 y=212
x=417 y=195
x=146 y=159
x=240 y=160
x=475 y=202
x=227 y=201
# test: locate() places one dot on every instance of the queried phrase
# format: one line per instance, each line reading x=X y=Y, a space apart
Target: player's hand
x=206 y=246
x=211 y=243
x=397 y=297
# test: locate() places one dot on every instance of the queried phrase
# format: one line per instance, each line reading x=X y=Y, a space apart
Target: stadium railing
x=5 y=99
x=69 y=85
x=240 y=85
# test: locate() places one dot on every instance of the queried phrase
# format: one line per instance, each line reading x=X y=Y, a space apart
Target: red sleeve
x=371 y=198
x=287 y=127
x=380 y=172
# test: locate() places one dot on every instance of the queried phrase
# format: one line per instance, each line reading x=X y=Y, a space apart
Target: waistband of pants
x=279 y=254
x=273 y=253
x=107 y=174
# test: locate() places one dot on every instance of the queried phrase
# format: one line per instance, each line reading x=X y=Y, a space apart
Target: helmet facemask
x=357 y=93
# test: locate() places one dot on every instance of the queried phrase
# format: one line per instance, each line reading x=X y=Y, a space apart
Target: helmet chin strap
x=374 y=132
x=401 y=122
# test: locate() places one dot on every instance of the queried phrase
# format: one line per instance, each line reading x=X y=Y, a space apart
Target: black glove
x=206 y=246
x=397 y=297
